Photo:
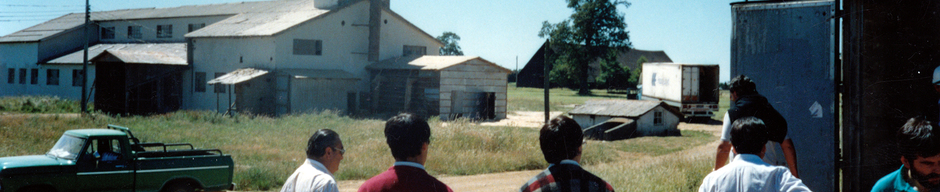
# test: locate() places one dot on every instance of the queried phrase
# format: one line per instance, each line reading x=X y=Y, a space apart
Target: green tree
x=595 y=31
x=614 y=76
x=638 y=72
x=450 y=44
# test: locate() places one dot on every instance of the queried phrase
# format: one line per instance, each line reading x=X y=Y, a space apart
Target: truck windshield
x=67 y=147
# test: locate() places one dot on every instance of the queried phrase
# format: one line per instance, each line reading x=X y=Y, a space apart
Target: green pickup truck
x=114 y=160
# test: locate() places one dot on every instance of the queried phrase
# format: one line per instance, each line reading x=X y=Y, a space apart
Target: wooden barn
x=623 y=119
x=531 y=75
x=448 y=86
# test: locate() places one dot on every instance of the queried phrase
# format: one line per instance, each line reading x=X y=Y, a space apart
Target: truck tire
x=179 y=187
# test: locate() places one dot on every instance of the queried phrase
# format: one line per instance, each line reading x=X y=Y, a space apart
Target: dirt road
x=511 y=181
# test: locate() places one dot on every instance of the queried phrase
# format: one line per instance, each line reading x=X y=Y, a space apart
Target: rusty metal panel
x=787 y=49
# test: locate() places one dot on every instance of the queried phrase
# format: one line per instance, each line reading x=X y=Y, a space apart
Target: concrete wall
x=16 y=56
x=468 y=79
x=397 y=33
x=27 y=56
x=223 y=55
x=315 y=94
x=343 y=44
x=586 y=121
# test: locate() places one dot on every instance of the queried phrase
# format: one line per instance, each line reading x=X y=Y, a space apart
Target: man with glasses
x=561 y=141
x=408 y=137
x=324 y=152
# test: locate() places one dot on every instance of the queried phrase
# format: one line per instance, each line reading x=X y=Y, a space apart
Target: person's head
x=561 y=139
x=936 y=79
x=408 y=137
x=741 y=85
x=919 y=145
x=749 y=135
x=325 y=147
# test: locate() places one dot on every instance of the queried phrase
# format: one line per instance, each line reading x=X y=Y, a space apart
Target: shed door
x=787 y=49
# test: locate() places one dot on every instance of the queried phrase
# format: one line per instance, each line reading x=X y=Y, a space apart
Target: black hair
x=319 y=141
x=742 y=85
x=918 y=137
x=560 y=139
x=748 y=135
x=405 y=134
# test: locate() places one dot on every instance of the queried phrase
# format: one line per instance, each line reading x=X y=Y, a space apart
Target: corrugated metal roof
x=620 y=108
x=318 y=74
x=252 y=18
x=426 y=62
x=238 y=76
x=155 y=53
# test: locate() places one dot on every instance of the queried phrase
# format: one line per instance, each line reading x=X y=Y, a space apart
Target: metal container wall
x=787 y=49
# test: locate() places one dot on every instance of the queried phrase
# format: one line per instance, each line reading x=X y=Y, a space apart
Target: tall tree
x=450 y=44
x=595 y=31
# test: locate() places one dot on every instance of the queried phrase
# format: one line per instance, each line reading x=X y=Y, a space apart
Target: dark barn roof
x=531 y=73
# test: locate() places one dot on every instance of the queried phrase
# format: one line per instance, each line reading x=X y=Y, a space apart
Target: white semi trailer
x=693 y=88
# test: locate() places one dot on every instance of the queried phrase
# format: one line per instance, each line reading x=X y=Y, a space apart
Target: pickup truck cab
x=114 y=160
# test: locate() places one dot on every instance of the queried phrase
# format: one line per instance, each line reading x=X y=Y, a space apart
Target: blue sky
x=498 y=30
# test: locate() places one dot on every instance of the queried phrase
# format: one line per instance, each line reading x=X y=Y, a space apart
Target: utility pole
x=545 y=64
x=85 y=60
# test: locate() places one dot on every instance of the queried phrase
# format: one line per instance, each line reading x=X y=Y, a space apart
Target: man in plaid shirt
x=560 y=140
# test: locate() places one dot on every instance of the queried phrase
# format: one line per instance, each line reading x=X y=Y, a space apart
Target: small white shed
x=652 y=118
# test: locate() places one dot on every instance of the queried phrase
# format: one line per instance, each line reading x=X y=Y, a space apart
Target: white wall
x=343 y=45
x=397 y=33
x=224 y=55
x=25 y=56
x=148 y=28
x=645 y=123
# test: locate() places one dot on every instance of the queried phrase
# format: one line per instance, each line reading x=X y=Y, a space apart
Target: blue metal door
x=787 y=49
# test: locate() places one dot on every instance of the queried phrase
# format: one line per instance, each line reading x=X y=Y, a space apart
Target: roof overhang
x=238 y=76
x=148 y=53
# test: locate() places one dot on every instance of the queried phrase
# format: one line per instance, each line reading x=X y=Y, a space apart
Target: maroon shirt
x=403 y=178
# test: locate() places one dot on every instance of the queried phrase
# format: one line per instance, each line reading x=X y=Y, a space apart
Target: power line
x=26 y=5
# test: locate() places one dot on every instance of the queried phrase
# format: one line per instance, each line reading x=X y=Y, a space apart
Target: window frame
x=11 y=75
x=33 y=76
x=195 y=26
x=658 y=117
x=77 y=77
x=50 y=78
x=133 y=32
x=107 y=33
x=165 y=31
x=413 y=50
x=307 y=47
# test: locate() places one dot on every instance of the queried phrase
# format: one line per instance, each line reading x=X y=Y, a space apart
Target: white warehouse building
x=271 y=57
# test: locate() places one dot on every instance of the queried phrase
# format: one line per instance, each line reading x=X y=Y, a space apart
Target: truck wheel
x=180 y=187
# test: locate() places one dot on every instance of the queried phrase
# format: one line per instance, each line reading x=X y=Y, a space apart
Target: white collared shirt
x=749 y=173
x=312 y=176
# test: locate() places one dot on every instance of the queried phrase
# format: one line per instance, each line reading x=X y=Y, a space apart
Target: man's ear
x=906 y=162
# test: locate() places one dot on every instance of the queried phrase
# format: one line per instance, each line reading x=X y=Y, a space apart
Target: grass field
x=267 y=150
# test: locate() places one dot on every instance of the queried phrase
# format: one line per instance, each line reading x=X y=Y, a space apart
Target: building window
x=77 y=77
x=11 y=76
x=23 y=76
x=308 y=47
x=52 y=77
x=200 y=82
x=34 y=76
x=133 y=32
x=219 y=88
x=195 y=26
x=409 y=50
x=164 y=31
x=107 y=32
x=658 y=117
